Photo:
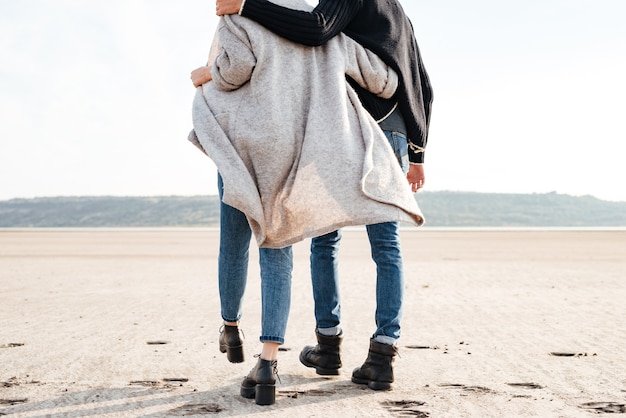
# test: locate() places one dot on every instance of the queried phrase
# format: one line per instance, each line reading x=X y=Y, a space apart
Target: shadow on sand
x=142 y=398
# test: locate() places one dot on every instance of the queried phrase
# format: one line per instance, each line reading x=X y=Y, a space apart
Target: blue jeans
x=385 y=249
x=276 y=267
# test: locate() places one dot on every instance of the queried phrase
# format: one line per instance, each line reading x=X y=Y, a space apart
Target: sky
x=95 y=96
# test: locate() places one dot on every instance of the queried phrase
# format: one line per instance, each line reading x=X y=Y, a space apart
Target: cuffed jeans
x=276 y=267
x=385 y=249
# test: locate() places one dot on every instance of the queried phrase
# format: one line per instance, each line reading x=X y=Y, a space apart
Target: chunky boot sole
x=265 y=394
x=260 y=383
x=372 y=384
x=248 y=392
x=319 y=370
x=233 y=354
x=262 y=394
x=377 y=371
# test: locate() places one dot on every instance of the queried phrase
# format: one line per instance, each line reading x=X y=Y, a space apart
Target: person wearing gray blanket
x=297 y=156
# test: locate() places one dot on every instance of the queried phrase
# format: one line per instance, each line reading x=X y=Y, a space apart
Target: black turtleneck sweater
x=382 y=27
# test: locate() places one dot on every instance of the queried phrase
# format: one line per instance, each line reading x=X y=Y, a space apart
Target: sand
x=496 y=324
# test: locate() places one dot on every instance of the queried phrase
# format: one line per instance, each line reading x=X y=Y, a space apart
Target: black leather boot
x=260 y=383
x=325 y=357
x=377 y=371
x=231 y=343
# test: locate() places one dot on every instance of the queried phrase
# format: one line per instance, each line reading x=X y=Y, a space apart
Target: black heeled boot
x=377 y=371
x=260 y=383
x=325 y=357
x=231 y=343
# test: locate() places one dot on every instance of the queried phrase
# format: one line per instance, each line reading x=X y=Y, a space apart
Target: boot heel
x=235 y=354
x=231 y=343
x=265 y=394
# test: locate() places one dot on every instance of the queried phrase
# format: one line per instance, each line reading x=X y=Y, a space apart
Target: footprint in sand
x=13 y=401
x=526 y=385
x=405 y=408
x=607 y=407
x=475 y=389
x=146 y=383
x=568 y=354
x=12 y=345
x=14 y=381
x=295 y=394
x=196 y=409
x=337 y=389
x=418 y=347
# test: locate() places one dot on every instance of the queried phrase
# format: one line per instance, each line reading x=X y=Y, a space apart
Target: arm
x=312 y=28
x=373 y=74
x=235 y=59
x=368 y=70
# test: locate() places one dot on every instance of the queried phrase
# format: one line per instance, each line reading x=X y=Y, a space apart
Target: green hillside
x=441 y=209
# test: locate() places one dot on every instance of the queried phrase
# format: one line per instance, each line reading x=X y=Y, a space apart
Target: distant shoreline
x=458 y=211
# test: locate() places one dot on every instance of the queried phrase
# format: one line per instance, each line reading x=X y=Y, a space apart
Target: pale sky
x=95 y=96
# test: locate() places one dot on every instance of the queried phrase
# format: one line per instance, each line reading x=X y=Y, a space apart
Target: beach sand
x=496 y=324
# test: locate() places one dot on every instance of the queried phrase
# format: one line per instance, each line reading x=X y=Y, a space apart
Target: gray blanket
x=297 y=158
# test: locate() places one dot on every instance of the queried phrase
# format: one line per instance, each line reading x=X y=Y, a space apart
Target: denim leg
x=325 y=279
x=386 y=253
x=276 y=268
x=399 y=144
x=385 y=245
x=235 y=235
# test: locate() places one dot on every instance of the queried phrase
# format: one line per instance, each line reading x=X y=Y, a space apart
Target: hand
x=201 y=75
x=227 y=7
x=416 y=176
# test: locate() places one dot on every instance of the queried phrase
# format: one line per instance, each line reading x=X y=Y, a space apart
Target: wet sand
x=496 y=324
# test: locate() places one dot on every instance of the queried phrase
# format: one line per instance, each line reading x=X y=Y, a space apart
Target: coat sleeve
x=312 y=28
x=235 y=59
x=369 y=71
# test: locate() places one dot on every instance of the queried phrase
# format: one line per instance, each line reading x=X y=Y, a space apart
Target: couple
x=299 y=156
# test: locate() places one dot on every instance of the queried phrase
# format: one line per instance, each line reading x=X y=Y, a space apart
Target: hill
x=108 y=211
x=442 y=209
x=467 y=209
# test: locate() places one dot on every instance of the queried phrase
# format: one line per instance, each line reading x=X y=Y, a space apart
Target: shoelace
x=243 y=336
